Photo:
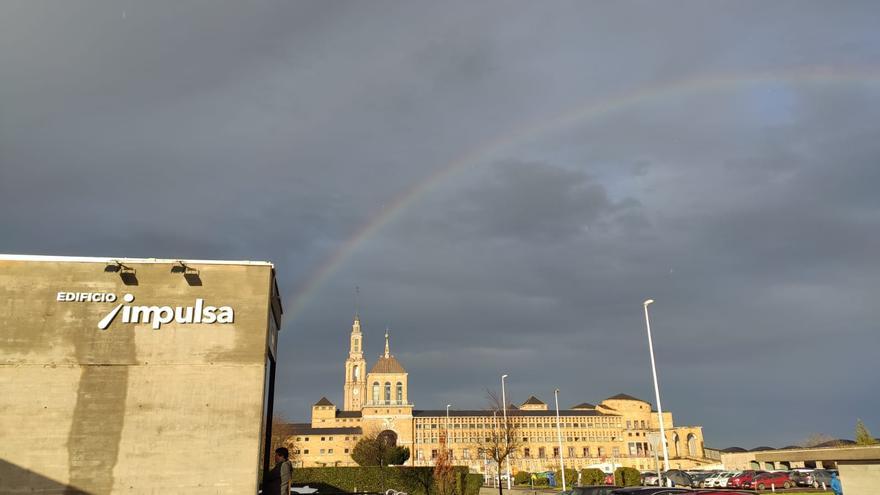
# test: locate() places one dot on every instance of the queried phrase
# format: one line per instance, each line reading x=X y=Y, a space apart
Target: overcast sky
x=505 y=181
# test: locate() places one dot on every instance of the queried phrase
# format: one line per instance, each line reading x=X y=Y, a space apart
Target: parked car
x=698 y=478
x=763 y=481
x=819 y=476
x=801 y=477
x=743 y=477
x=718 y=479
x=649 y=490
x=678 y=478
x=593 y=490
x=650 y=479
x=723 y=492
x=722 y=480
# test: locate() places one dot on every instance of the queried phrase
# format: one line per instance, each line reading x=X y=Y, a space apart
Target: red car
x=743 y=477
x=764 y=481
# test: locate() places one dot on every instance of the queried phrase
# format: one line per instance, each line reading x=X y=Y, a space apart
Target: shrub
x=472 y=484
x=413 y=480
x=627 y=476
x=371 y=451
x=522 y=478
x=592 y=476
x=571 y=477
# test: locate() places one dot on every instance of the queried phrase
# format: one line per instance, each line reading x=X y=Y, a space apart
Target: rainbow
x=589 y=111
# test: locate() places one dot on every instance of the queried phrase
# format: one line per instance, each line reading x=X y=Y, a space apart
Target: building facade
x=123 y=375
x=615 y=432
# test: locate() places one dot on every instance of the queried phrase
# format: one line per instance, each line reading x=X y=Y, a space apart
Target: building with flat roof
x=616 y=431
x=125 y=375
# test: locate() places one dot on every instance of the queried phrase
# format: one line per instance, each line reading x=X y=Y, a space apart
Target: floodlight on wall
x=191 y=274
x=126 y=273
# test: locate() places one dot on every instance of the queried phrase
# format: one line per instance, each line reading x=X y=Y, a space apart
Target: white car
x=712 y=481
x=721 y=480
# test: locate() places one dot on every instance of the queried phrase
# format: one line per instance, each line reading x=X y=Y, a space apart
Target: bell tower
x=355 y=370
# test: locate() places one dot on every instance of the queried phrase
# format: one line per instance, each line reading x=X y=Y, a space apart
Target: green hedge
x=592 y=476
x=522 y=478
x=413 y=480
x=571 y=477
x=472 y=484
x=627 y=476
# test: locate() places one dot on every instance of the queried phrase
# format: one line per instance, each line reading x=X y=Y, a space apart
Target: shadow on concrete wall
x=15 y=479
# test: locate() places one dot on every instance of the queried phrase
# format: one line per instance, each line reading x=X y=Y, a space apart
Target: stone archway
x=388 y=437
x=692 y=445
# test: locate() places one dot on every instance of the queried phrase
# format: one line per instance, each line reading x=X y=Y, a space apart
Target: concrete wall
x=859 y=477
x=131 y=409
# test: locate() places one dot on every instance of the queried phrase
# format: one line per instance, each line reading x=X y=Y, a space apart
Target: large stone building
x=614 y=432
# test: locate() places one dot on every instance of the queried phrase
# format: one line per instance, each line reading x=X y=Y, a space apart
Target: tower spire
x=387 y=347
x=357 y=294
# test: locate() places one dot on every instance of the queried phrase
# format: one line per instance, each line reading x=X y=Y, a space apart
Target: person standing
x=277 y=480
x=282 y=455
x=835 y=484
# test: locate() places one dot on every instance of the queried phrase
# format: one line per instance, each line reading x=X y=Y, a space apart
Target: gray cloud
x=278 y=130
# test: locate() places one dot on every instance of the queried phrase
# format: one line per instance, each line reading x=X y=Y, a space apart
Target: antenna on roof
x=357 y=293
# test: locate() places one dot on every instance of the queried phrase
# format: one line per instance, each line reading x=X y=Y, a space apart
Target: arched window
x=399 y=393
x=376 y=392
x=387 y=392
x=676 y=444
x=692 y=445
x=355 y=373
x=356 y=345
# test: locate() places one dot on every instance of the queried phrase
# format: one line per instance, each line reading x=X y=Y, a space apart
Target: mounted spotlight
x=189 y=273
x=126 y=273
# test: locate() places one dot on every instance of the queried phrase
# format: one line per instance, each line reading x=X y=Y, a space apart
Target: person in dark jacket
x=277 y=480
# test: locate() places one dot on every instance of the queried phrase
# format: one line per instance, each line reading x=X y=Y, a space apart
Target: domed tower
x=387 y=410
x=387 y=380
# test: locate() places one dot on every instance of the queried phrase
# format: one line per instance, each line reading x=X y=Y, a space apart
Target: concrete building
x=614 y=431
x=859 y=466
x=135 y=375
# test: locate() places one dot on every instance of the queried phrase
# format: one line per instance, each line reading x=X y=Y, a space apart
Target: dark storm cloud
x=278 y=130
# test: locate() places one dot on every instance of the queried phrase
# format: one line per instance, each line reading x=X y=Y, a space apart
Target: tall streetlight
x=447 y=425
x=506 y=430
x=559 y=438
x=495 y=428
x=656 y=387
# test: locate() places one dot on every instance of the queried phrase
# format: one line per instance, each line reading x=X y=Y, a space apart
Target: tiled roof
x=323 y=402
x=584 y=405
x=440 y=413
x=730 y=450
x=624 y=397
x=306 y=429
x=534 y=400
x=388 y=364
x=348 y=414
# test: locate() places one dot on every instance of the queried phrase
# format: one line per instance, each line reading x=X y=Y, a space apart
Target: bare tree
x=283 y=435
x=814 y=439
x=444 y=471
x=502 y=439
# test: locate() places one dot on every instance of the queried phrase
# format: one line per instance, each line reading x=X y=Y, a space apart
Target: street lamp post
x=447 y=426
x=506 y=430
x=656 y=387
x=559 y=438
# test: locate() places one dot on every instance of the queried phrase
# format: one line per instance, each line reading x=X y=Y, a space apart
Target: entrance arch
x=388 y=437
